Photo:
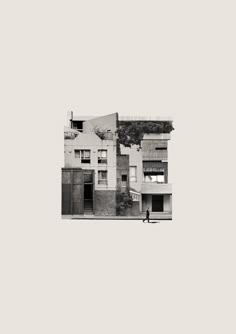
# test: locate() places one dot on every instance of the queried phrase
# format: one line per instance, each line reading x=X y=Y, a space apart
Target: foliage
x=131 y=133
x=100 y=133
x=123 y=201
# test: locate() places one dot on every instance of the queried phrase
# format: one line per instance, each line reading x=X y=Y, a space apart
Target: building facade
x=110 y=155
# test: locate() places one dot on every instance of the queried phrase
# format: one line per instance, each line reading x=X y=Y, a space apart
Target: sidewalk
x=153 y=216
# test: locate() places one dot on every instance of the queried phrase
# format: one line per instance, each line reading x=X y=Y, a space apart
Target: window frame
x=131 y=177
x=103 y=181
x=102 y=160
x=82 y=157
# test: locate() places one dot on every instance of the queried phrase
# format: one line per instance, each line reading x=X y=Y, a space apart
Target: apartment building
x=110 y=154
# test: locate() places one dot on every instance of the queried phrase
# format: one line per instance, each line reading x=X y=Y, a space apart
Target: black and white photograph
x=117 y=167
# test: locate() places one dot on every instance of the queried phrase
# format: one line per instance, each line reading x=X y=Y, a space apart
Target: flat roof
x=125 y=118
x=145 y=118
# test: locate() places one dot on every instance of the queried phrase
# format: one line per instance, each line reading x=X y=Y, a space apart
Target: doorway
x=157 y=203
x=88 y=197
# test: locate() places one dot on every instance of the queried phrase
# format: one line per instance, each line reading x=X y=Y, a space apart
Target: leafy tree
x=131 y=133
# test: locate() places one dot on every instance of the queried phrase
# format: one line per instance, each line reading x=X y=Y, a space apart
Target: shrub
x=123 y=201
x=100 y=132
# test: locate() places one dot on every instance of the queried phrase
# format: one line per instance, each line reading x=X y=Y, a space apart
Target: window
x=102 y=156
x=160 y=149
x=133 y=173
x=78 y=125
x=83 y=155
x=158 y=177
x=124 y=180
x=102 y=177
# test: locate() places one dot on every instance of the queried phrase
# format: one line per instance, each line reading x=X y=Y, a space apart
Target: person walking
x=147 y=215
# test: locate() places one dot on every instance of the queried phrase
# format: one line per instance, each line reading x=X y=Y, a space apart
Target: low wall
x=105 y=202
x=133 y=211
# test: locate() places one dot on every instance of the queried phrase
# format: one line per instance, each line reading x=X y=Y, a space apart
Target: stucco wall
x=92 y=142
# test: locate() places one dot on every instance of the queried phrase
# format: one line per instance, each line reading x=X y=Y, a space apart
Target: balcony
x=156 y=188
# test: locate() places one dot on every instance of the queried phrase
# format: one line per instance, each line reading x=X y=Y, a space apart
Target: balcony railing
x=135 y=196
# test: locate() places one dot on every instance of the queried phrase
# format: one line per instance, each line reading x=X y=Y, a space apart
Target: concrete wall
x=92 y=142
x=105 y=203
x=149 y=151
x=147 y=202
x=156 y=188
x=168 y=203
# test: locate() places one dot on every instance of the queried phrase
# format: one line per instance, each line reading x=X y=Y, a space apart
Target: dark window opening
x=78 y=125
x=157 y=203
x=124 y=180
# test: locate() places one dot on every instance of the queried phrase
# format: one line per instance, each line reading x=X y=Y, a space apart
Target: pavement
x=153 y=216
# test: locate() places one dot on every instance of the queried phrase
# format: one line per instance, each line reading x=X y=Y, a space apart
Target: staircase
x=88 y=207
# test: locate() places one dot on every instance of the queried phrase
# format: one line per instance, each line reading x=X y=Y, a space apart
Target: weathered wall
x=72 y=191
x=105 y=203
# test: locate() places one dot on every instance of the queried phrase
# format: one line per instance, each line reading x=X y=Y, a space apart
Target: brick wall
x=105 y=202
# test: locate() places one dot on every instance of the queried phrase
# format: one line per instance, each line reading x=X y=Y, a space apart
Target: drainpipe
x=71 y=119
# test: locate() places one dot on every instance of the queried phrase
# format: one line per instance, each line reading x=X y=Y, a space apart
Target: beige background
x=164 y=58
